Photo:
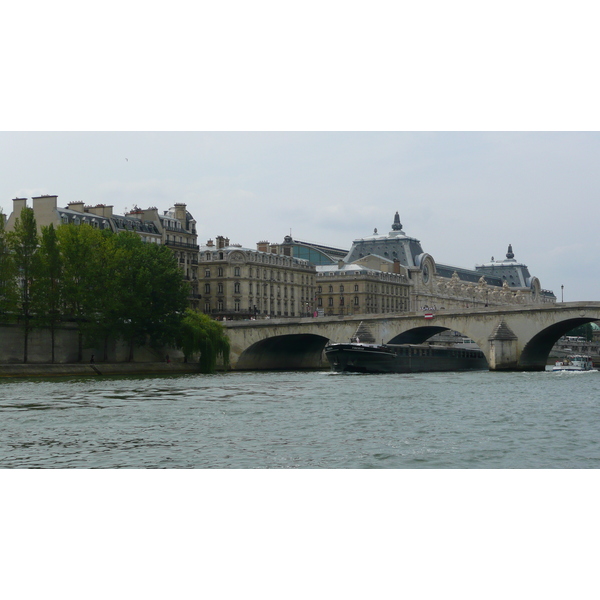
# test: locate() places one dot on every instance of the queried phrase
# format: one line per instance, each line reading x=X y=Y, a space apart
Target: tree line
x=113 y=286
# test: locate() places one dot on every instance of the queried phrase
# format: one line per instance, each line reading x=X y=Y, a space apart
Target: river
x=316 y=420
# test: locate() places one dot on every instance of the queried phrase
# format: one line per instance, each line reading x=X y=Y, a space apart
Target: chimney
x=100 y=209
x=210 y=244
x=220 y=242
x=180 y=211
x=262 y=246
x=77 y=206
x=273 y=248
x=44 y=208
x=396 y=266
x=18 y=205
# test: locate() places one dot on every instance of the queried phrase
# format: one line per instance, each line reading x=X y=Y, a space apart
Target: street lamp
x=562 y=296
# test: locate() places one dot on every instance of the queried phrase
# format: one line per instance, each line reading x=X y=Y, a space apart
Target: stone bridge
x=512 y=338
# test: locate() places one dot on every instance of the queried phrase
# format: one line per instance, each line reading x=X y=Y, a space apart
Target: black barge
x=405 y=358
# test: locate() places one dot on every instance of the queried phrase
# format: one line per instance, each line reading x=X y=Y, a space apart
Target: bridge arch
x=417 y=335
x=536 y=351
x=284 y=352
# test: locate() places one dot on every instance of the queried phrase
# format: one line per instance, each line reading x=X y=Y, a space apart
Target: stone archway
x=536 y=351
x=284 y=352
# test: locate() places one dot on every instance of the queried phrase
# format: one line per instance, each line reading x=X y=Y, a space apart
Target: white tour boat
x=575 y=362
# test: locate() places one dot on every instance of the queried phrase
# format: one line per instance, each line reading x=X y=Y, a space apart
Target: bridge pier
x=503 y=352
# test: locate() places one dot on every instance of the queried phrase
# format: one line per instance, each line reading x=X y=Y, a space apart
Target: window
x=319 y=290
x=356 y=287
x=330 y=289
x=341 y=300
x=341 y=289
x=207 y=288
x=236 y=272
x=330 y=301
x=355 y=300
x=206 y=307
x=220 y=288
x=236 y=287
x=207 y=273
x=220 y=272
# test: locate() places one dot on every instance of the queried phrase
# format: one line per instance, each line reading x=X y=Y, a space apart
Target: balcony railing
x=182 y=245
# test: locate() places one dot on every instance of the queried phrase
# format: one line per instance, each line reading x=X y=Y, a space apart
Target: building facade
x=352 y=289
x=237 y=282
x=392 y=273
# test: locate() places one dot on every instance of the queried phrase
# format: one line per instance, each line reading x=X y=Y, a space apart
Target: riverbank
x=96 y=369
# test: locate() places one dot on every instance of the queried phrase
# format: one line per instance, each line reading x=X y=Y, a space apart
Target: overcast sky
x=466 y=196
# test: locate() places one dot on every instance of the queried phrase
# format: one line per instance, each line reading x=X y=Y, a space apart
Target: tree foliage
x=114 y=286
x=586 y=330
x=201 y=334
x=23 y=244
x=46 y=286
x=8 y=276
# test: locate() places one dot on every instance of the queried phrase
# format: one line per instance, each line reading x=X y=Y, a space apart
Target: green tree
x=152 y=293
x=84 y=277
x=586 y=330
x=201 y=334
x=47 y=286
x=23 y=243
x=8 y=279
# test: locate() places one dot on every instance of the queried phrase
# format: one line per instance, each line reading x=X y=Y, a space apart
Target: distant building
x=241 y=283
x=175 y=228
x=352 y=289
x=426 y=284
x=316 y=254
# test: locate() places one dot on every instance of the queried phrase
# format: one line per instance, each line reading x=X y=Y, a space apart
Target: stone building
x=175 y=228
x=392 y=273
x=238 y=282
x=354 y=288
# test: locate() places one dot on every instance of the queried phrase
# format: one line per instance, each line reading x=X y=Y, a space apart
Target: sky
x=464 y=195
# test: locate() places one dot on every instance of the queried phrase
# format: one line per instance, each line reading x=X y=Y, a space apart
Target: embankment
x=97 y=369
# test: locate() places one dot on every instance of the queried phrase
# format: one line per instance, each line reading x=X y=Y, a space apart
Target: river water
x=283 y=420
